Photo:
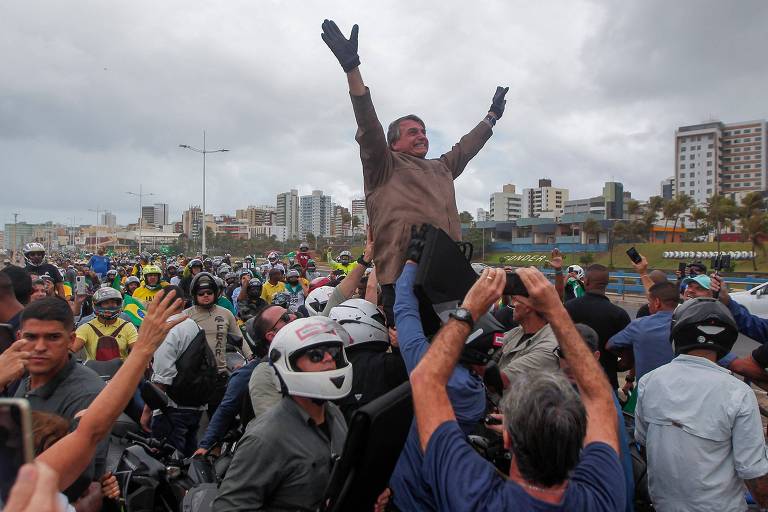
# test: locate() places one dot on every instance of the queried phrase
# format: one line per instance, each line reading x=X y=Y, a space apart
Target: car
x=755 y=299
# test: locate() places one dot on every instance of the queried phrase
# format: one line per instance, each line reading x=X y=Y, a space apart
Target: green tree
x=465 y=217
x=697 y=215
x=668 y=212
x=754 y=223
x=479 y=240
x=592 y=228
x=720 y=210
x=633 y=208
x=619 y=231
x=681 y=204
x=655 y=204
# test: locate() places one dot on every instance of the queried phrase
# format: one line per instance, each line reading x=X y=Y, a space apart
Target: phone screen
x=634 y=255
x=15 y=443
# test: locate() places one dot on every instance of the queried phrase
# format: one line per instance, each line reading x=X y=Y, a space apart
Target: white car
x=755 y=299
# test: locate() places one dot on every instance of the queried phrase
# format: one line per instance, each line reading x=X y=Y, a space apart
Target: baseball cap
x=702 y=280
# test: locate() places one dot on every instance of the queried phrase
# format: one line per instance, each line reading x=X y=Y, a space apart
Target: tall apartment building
x=720 y=158
x=148 y=215
x=287 y=212
x=257 y=215
x=160 y=214
x=667 y=188
x=505 y=205
x=192 y=223
x=361 y=213
x=544 y=201
x=315 y=214
x=609 y=205
x=481 y=216
x=108 y=219
x=341 y=227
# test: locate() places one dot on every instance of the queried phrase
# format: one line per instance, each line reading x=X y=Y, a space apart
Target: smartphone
x=15 y=441
x=80 y=286
x=515 y=285
x=681 y=268
x=634 y=255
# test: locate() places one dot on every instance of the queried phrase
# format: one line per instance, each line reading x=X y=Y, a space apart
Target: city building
x=608 y=206
x=108 y=219
x=613 y=193
x=359 y=212
x=279 y=232
x=287 y=212
x=315 y=214
x=544 y=201
x=341 y=224
x=505 y=205
x=720 y=158
x=667 y=188
x=192 y=223
x=160 y=215
x=148 y=215
x=257 y=215
x=482 y=215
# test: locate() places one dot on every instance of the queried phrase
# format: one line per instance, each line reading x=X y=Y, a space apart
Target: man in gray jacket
x=403 y=187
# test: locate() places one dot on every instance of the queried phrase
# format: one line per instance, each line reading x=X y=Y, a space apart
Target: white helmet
x=577 y=269
x=317 y=299
x=30 y=248
x=362 y=320
x=292 y=341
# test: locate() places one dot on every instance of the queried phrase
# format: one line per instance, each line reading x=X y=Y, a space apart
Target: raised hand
x=416 y=245
x=485 y=292
x=498 y=102
x=12 y=362
x=542 y=296
x=556 y=259
x=344 y=49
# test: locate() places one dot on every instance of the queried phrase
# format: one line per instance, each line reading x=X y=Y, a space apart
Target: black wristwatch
x=463 y=315
x=366 y=264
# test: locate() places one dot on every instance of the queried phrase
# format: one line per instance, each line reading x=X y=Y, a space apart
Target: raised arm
x=70 y=456
x=593 y=385
x=348 y=285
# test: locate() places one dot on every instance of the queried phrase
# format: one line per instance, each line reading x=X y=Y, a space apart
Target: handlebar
x=151 y=444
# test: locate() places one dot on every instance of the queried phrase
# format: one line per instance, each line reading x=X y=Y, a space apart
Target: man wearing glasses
x=284 y=459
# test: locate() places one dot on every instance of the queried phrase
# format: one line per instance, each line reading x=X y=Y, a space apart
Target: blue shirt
x=459 y=479
x=749 y=324
x=649 y=338
x=229 y=406
x=99 y=264
x=626 y=459
x=465 y=391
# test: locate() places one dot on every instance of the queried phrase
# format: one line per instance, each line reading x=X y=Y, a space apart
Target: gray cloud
x=97 y=96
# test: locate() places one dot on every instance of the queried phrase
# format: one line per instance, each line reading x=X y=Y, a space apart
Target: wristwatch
x=361 y=261
x=463 y=315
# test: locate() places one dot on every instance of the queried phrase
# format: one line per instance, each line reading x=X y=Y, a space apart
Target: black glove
x=344 y=49
x=416 y=245
x=497 y=105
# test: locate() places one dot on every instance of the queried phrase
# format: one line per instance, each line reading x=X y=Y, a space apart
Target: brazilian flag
x=116 y=282
x=134 y=309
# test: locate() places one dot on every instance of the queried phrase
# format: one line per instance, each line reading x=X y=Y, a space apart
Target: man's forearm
x=348 y=285
x=758 y=487
x=355 y=81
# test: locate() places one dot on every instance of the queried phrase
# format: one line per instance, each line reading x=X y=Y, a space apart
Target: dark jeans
x=218 y=394
x=179 y=428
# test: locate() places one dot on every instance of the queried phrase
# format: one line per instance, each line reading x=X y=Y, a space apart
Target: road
x=744 y=345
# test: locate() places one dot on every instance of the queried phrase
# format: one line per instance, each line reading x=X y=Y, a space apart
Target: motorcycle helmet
x=295 y=340
x=483 y=341
x=103 y=295
x=196 y=263
x=34 y=254
x=303 y=247
x=345 y=255
x=132 y=280
x=282 y=299
x=311 y=265
x=317 y=299
x=703 y=323
x=272 y=257
x=253 y=290
x=246 y=272
x=220 y=283
x=318 y=282
x=203 y=281
x=111 y=274
x=150 y=270
x=363 y=321
x=292 y=274
x=577 y=270
x=230 y=278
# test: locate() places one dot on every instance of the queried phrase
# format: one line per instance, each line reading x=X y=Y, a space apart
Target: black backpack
x=197 y=374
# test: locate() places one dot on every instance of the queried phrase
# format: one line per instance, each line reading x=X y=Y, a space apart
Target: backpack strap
x=117 y=331
x=98 y=332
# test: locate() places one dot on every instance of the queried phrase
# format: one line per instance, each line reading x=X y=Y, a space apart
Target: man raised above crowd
x=403 y=187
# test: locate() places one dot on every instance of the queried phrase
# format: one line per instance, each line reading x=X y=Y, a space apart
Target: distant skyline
x=96 y=97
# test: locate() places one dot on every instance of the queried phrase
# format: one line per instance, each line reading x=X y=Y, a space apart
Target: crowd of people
x=592 y=410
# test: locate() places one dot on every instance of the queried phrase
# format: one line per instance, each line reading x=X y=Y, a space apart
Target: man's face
x=111 y=303
x=205 y=297
x=274 y=277
x=244 y=280
x=413 y=139
x=520 y=311
x=36 y=257
x=152 y=279
x=694 y=290
x=195 y=270
x=344 y=260
x=319 y=359
x=38 y=292
x=278 y=318
x=48 y=344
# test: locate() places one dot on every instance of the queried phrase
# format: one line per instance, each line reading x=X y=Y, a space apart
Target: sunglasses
x=203 y=293
x=317 y=354
x=285 y=317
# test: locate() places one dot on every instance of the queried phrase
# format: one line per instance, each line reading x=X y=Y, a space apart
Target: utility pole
x=97 y=210
x=140 y=195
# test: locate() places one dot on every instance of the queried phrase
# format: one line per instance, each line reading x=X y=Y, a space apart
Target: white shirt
x=703 y=436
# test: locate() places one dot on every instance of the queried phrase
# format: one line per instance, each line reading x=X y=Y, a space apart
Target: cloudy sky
x=95 y=96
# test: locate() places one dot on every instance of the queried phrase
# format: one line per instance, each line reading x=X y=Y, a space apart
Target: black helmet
x=203 y=281
x=485 y=338
x=703 y=323
x=282 y=299
x=253 y=290
x=196 y=262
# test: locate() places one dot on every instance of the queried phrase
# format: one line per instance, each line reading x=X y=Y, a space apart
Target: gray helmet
x=703 y=323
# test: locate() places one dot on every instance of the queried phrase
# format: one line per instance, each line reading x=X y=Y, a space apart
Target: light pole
x=140 y=195
x=203 y=152
x=97 y=210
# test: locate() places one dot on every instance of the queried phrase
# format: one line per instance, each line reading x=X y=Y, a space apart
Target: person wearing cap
x=697 y=286
x=273 y=285
x=284 y=459
x=700 y=426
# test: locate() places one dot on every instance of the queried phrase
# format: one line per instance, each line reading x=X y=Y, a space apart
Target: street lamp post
x=97 y=210
x=204 y=152
x=140 y=195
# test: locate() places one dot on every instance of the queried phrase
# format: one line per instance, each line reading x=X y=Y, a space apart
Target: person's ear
x=269 y=336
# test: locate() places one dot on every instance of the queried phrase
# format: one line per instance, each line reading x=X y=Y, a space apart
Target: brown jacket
x=403 y=190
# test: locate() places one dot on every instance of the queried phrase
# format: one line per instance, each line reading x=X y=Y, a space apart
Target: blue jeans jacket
x=229 y=406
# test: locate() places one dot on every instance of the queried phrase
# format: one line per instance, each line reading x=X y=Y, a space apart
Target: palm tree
x=668 y=211
x=619 y=231
x=682 y=203
x=591 y=227
x=697 y=215
x=655 y=203
x=720 y=210
x=633 y=208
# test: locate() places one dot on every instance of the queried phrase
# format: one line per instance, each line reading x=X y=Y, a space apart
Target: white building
x=279 y=232
x=315 y=214
x=481 y=215
x=359 y=210
x=505 y=205
x=544 y=201
x=287 y=212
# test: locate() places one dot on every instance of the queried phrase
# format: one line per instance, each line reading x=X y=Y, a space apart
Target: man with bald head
x=596 y=310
